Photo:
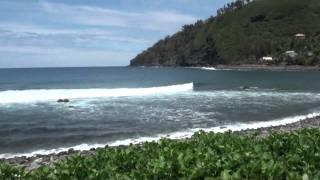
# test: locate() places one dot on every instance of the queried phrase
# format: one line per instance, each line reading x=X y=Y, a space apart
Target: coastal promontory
x=285 y=32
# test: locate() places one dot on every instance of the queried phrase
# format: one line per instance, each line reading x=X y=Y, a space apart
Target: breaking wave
x=175 y=135
x=23 y=96
x=208 y=68
x=204 y=68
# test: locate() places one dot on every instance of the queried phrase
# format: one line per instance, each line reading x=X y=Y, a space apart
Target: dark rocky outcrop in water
x=245 y=87
x=242 y=34
x=63 y=100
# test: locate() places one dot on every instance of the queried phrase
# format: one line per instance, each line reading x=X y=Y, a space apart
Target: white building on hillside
x=300 y=36
x=291 y=54
x=266 y=58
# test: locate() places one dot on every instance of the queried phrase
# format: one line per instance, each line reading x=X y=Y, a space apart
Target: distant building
x=300 y=36
x=267 y=59
x=291 y=54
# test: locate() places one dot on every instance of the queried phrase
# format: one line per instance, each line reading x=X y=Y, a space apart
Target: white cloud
x=52 y=50
x=164 y=20
x=21 y=31
x=21 y=28
x=44 y=33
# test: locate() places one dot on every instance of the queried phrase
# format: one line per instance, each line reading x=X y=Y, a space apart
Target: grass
x=294 y=155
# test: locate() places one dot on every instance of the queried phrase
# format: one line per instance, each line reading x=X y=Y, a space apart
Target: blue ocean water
x=115 y=105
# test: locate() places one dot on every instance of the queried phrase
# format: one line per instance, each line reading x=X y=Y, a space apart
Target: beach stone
x=21 y=162
x=34 y=165
x=62 y=153
x=71 y=150
x=39 y=160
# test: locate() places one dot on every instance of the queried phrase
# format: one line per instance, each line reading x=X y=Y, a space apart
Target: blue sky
x=64 y=33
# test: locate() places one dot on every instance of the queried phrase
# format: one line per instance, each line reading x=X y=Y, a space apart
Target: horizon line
x=49 y=67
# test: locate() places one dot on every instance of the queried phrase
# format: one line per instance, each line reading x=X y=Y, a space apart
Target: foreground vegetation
x=294 y=155
x=243 y=32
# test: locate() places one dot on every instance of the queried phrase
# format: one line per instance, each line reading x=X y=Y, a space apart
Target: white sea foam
x=204 y=68
x=257 y=92
x=175 y=135
x=23 y=96
x=208 y=68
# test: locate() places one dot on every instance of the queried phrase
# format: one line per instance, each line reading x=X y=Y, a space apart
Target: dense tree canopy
x=242 y=33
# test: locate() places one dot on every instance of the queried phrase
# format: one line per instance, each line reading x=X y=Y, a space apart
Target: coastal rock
x=63 y=100
x=63 y=153
x=35 y=164
x=52 y=159
x=244 y=87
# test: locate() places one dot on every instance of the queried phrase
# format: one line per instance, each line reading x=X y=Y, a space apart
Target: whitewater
x=175 y=135
x=119 y=105
x=38 y=95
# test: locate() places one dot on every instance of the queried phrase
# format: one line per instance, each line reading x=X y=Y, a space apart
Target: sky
x=80 y=33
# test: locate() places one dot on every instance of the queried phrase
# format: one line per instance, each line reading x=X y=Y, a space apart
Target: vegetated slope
x=243 y=33
x=293 y=155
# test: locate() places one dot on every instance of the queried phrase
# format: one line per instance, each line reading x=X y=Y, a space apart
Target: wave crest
x=208 y=68
x=34 y=95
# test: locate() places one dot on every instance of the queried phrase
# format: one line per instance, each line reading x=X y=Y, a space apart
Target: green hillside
x=242 y=33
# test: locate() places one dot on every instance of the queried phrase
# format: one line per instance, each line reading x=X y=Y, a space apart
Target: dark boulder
x=245 y=87
x=63 y=100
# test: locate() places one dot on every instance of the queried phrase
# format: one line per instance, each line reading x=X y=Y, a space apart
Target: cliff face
x=242 y=33
x=184 y=48
x=202 y=57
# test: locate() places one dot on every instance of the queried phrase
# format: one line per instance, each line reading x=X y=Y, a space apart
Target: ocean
x=122 y=105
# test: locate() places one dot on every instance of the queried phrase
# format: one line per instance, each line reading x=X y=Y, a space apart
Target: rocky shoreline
x=40 y=160
x=246 y=67
x=307 y=123
x=37 y=161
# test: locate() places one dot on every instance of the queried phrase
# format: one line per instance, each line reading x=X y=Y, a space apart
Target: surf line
x=34 y=95
x=175 y=135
